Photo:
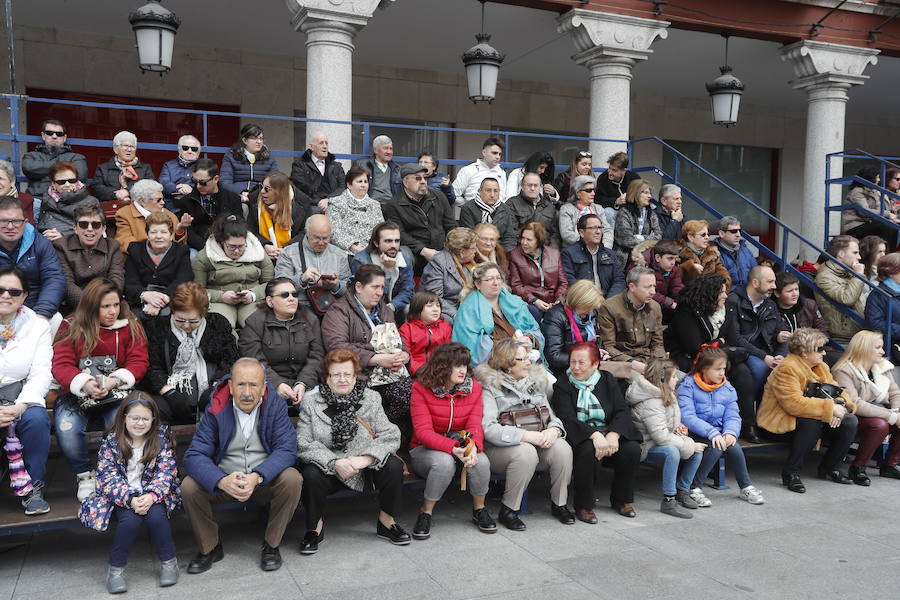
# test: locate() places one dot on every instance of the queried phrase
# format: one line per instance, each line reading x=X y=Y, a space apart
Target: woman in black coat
x=579 y=307
x=592 y=408
x=181 y=384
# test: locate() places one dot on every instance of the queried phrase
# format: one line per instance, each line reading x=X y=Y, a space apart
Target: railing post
x=205 y=134
x=367 y=141
x=677 y=170
x=784 y=246
x=14 y=131
x=505 y=147
x=827 y=199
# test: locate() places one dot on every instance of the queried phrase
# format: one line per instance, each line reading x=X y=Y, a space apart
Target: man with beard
x=384 y=250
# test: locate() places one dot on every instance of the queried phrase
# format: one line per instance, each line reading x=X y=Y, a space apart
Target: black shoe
x=891 y=472
x=270 y=558
x=311 y=541
x=482 y=518
x=510 y=518
x=395 y=534
x=859 y=476
x=792 y=482
x=752 y=435
x=835 y=475
x=204 y=562
x=422 y=529
x=562 y=514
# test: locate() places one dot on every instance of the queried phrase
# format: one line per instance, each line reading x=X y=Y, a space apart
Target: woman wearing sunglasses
x=286 y=338
x=65 y=195
x=189 y=350
x=176 y=173
x=699 y=257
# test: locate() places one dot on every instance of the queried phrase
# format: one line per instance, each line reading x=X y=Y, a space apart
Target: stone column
x=610 y=46
x=330 y=26
x=826 y=72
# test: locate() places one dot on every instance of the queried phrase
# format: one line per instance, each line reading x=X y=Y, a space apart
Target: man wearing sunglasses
x=733 y=250
x=176 y=173
x=36 y=164
x=206 y=200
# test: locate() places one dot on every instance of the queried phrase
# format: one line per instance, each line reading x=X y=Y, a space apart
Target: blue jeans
x=33 y=430
x=734 y=459
x=759 y=370
x=670 y=457
x=128 y=524
x=71 y=426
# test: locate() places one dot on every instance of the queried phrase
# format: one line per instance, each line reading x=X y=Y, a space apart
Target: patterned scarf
x=189 y=361
x=53 y=193
x=9 y=330
x=588 y=408
x=127 y=168
x=343 y=422
x=464 y=388
x=487 y=212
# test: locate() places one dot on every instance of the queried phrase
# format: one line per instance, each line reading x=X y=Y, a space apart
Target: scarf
x=588 y=408
x=707 y=387
x=63 y=197
x=574 y=321
x=464 y=388
x=892 y=285
x=189 y=361
x=19 y=479
x=475 y=319
x=270 y=230
x=127 y=168
x=487 y=212
x=878 y=382
x=716 y=320
x=185 y=163
x=343 y=420
x=9 y=330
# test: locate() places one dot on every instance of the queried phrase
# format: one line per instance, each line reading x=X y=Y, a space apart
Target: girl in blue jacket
x=709 y=409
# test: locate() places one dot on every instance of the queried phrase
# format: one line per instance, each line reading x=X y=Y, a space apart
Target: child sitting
x=662 y=257
x=425 y=330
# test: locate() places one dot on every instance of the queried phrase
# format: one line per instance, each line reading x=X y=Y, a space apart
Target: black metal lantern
x=154 y=32
x=482 y=63
x=725 y=93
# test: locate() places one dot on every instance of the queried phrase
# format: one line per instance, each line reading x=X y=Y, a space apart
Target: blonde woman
x=277 y=214
x=637 y=222
x=571 y=321
x=451 y=269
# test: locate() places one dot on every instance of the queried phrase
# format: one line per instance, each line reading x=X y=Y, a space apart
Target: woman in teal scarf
x=489 y=312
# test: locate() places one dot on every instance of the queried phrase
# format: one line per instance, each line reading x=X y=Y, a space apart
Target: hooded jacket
x=656 y=421
x=709 y=414
x=422 y=339
x=239 y=175
x=218 y=273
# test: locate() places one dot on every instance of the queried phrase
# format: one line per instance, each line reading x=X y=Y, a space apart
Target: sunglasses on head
x=49 y=133
x=585 y=154
x=191 y=148
x=287 y=295
x=65 y=181
x=89 y=224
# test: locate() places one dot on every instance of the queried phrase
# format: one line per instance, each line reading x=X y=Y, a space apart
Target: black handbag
x=97 y=366
x=823 y=390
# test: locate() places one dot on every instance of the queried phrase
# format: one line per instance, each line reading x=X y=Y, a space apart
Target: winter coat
x=569 y=215
x=130 y=353
x=803 y=314
x=352 y=219
x=330 y=261
x=218 y=426
x=547 y=283
x=757 y=330
x=402 y=291
x=223 y=202
x=306 y=176
x=670 y=229
x=442 y=277
x=558 y=337
x=579 y=264
x=291 y=351
x=877 y=312
x=435 y=416
x=36 y=166
x=738 y=262
x=609 y=191
x=27 y=358
x=80 y=265
x=502 y=219
x=314 y=442
x=421 y=340
x=607 y=390
x=106 y=181
x=627 y=235
x=689 y=330
x=132 y=227
x=866 y=198
x=628 y=332
x=500 y=393
x=434 y=182
x=875 y=393
x=544 y=212
x=174 y=173
x=841 y=287
x=368 y=164
x=218 y=273
x=709 y=260
x=37 y=260
x=217 y=346
x=783 y=400
x=656 y=421
x=422 y=224
x=668 y=285
x=709 y=414
x=238 y=175
x=159 y=477
x=345 y=326
x=140 y=272
x=60 y=214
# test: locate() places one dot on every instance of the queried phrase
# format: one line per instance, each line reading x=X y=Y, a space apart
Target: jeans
x=670 y=457
x=734 y=458
x=759 y=370
x=33 y=431
x=71 y=426
x=128 y=524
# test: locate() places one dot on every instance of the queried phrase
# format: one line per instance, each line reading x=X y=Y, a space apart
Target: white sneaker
x=87 y=485
x=700 y=498
x=752 y=495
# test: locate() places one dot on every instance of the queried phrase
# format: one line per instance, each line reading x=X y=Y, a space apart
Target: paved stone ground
x=833 y=542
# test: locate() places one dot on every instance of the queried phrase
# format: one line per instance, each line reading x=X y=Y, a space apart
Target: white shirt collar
x=245 y=422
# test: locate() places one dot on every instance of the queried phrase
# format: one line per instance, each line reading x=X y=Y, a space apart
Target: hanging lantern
x=725 y=93
x=482 y=63
x=154 y=32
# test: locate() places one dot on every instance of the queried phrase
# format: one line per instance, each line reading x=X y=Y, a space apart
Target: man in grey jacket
x=36 y=164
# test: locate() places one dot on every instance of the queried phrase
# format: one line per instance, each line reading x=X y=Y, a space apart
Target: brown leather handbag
x=534 y=418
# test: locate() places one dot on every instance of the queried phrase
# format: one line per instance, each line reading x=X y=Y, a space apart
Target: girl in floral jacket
x=137 y=483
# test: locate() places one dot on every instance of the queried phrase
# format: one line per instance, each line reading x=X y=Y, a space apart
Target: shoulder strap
x=366 y=426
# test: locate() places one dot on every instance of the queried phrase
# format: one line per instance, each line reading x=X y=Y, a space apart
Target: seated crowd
x=558 y=323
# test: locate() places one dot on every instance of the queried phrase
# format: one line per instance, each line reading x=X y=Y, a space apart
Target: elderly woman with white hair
x=581 y=202
x=176 y=173
x=114 y=178
x=146 y=198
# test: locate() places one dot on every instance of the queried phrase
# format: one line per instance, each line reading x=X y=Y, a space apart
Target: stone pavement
x=833 y=542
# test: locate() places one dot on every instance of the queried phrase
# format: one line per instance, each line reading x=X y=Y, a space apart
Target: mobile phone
x=241 y=294
x=329 y=276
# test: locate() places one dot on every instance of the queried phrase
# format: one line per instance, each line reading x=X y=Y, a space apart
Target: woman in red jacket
x=100 y=352
x=425 y=330
x=535 y=271
x=445 y=402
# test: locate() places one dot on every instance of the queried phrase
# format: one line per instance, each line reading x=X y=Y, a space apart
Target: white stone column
x=610 y=46
x=826 y=72
x=330 y=26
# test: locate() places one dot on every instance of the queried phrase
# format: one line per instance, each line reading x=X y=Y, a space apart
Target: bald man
x=317 y=173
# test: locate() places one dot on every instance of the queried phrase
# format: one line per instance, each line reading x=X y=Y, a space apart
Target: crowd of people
x=335 y=330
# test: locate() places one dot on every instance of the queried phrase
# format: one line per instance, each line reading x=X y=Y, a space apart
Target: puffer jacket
x=218 y=273
x=668 y=285
x=866 y=198
x=628 y=333
x=840 y=286
x=422 y=339
x=558 y=337
x=709 y=260
x=36 y=258
x=738 y=262
x=345 y=326
x=501 y=393
x=442 y=277
x=627 y=235
x=656 y=421
x=36 y=166
x=530 y=283
x=305 y=175
x=709 y=414
x=60 y=214
x=579 y=264
x=434 y=415
x=173 y=173
x=291 y=351
x=877 y=312
x=238 y=175
x=875 y=393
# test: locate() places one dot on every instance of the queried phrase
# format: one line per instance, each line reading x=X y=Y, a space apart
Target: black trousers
x=742 y=380
x=809 y=431
x=317 y=486
x=624 y=464
x=885 y=232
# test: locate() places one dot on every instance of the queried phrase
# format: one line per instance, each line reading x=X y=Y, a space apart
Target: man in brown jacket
x=630 y=324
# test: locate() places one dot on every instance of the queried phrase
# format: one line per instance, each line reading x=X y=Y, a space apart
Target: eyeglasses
x=127 y=146
x=255 y=138
x=11 y=222
x=49 y=133
x=235 y=247
x=65 y=181
x=493 y=279
x=592 y=228
x=139 y=419
x=89 y=224
x=821 y=350
x=418 y=177
x=732 y=231
x=342 y=376
x=191 y=148
x=202 y=181
x=704 y=234
x=286 y=295
x=181 y=321
x=267 y=188
x=14 y=292
x=586 y=190
x=521 y=358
